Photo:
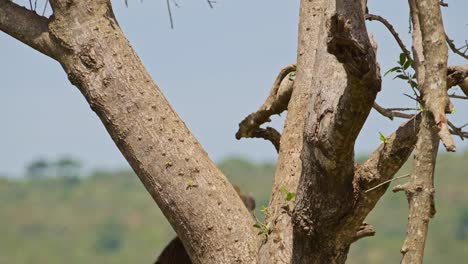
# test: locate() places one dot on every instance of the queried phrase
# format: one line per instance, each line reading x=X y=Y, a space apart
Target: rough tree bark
x=431 y=69
x=337 y=80
x=199 y=202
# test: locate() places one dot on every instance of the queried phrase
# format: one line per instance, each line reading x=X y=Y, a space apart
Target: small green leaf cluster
x=263 y=228
x=289 y=196
x=383 y=138
x=404 y=63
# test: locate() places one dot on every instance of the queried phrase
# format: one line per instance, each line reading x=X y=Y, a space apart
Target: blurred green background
x=58 y=214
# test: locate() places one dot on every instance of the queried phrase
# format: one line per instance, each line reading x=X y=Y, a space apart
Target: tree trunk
x=193 y=194
x=336 y=84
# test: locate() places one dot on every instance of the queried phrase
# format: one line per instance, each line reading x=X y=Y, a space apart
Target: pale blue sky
x=215 y=67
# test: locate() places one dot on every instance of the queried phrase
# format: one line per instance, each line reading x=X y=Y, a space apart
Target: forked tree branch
x=28 y=27
x=381 y=166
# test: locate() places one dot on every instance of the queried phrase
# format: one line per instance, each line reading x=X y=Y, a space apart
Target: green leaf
x=394 y=69
x=290 y=196
x=401 y=76
x=264 y=210
x=257 y=226
x=453 y=111
x=383 y=138
x=421 y=108
x=402 y=59
x=407 y=64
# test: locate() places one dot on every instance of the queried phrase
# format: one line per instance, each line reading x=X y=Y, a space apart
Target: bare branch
x=391 y=113
x=387 y=181
x=169 y=11
x=371 y=178
x=387 y=159
x=392 y=30
x=458 y=96
x=276 y=103
x=458 y=130
x=28 y=27
x=455 y=49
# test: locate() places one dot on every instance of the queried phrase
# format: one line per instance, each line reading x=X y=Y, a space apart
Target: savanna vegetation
x=107 y=217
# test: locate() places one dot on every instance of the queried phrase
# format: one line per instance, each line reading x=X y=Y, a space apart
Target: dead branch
x=365 y=230
x=276 y=103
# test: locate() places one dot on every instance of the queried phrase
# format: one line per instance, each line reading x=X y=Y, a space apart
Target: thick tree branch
x=420 y=191
x=430 y=64
x=338 y=77
x=388 y=158
x=435 y=66
x=194 y=195
x=379 y=169
x=276 y=103
x=28 y=27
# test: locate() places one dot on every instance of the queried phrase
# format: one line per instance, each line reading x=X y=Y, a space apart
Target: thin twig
x=442 y=3
x=389 y=113
x=210 y=3
x=45 y=7
x=455 y=49
x=392 y=30
x=387 y=181
x=458 y=130
x=402 y=109
x=458 y=96
x=170 y=13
